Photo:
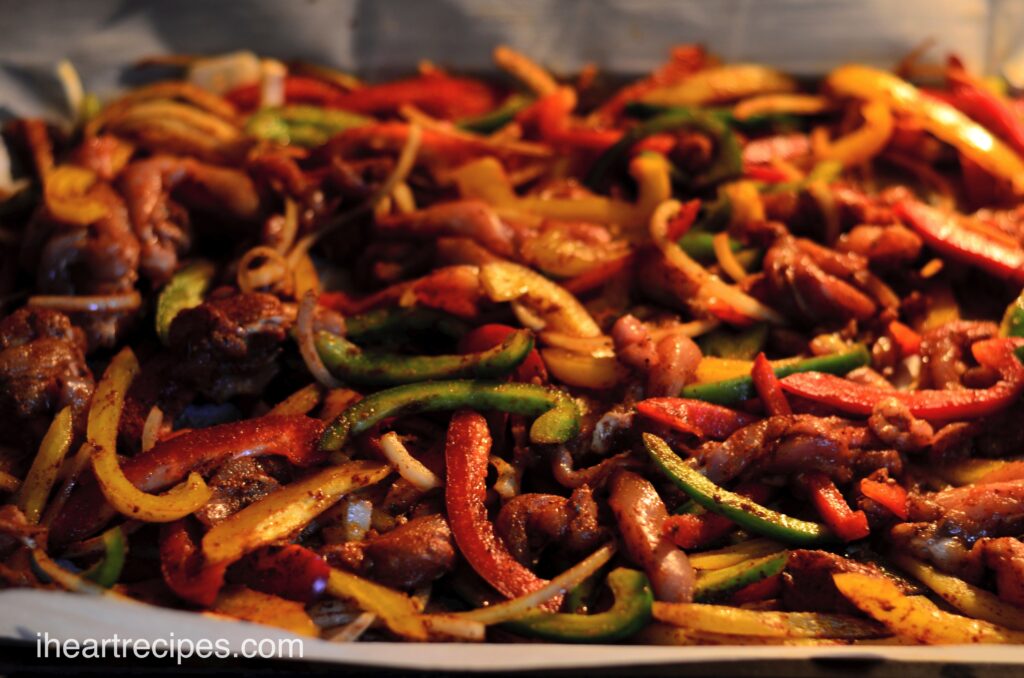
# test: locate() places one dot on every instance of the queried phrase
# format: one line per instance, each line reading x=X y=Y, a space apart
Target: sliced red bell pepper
x=985 y=107
x=600 y=274
x=699 y=418
x=848 y=524
x=171 y=459
x=768 y=387
x=890 y=495
x=290 y=571
x=438 y=94
x=766 y=173
x=947 y=235
x=907 y=339
x=690 y=531
x=550 y=115
x=182 y=565
x=467 y=449
x=656 y=143
x=492 y=334
x=765 y=589
x=683 y=221
x=853 y=398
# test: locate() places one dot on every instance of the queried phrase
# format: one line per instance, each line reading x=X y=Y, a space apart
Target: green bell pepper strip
x=749 y=515
x=108 y=570
x=719 y=585
x=184 y=291
x=352 y=364
x=498 y=118
x=558 y=417
x=728 y=343
x=727 y=163
x=630 y=612
x=1013 y=319
x=398 y=321
x=738 y=389
x=302 y=125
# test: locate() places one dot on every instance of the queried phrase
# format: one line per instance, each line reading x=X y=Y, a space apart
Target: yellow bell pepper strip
x=262 y=608
x=937 y=117
x=558 y=418
x=185 y=290
x=630 y=612
x=737 y=389
x=734 y=554
x=397 y=610
x=504 y=281
x=101 y=430
x=741 y=510
x=727 y=163
x=486 y=180
x=66 y=191
x=864 y=143
x=720 y=585
x=721 y=84
x=32 y=495
x=738 y=622
x=287 y=510
x=974 y=602
x=582 y=370
x=301 y=125
x=353 y=365
x=108 y=570
x=712 y=295
x=773 y=104
x=915 y=617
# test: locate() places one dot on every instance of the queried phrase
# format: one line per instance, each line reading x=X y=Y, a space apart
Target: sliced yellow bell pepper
x=721 y=84
x=32 y=494
x=559 y=310
x=397 y=610
x=937 y=117
x=66 y=193
x=485 y=179
x=262 y=608
x=865 y=142
x=582 y=370
x=101 y=430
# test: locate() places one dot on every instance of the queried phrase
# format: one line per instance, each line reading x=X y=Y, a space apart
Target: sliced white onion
x=307 y=345
x=356 y=519
x=507 y=484
x=151 y=429
x=350 y=632
x=410 y=468
x=272 y=75
x=74 y=93
x=221 y=74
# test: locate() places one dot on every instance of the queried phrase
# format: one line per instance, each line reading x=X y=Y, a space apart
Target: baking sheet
x=382 y=37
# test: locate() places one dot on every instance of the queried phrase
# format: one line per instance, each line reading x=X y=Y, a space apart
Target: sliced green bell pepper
x=727 y=163
x=498 y=118
x=558 y=418
x=184 y=291
x=719 y=585
x=630 y=612
x=108 y=570
x=749 y=515
x=397 y=321
x=1013 y=319
x=741 y=344
x=302 y=125
x=738 y=389
x=352 y=364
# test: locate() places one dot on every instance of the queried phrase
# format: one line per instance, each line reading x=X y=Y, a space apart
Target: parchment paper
x=383 y=37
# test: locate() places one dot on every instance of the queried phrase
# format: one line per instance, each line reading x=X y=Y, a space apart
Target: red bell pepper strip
x=454 y=289
x=692 y=531
x=682 y=222
x=600 y=274
x=766 y=173
x=890 y=495
x=297 y=90
x=437 y=94
x=985 y=107
x=467 y=449
x=848 y=524
x=699 y=418
x=768 y=387
x=171 y=459
x=492 y=334
x=550 y=116
x=289 y=571
x=764 y=589
x=946 y=234
x=183 y=568
x=853 y=398
x=907 y=339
